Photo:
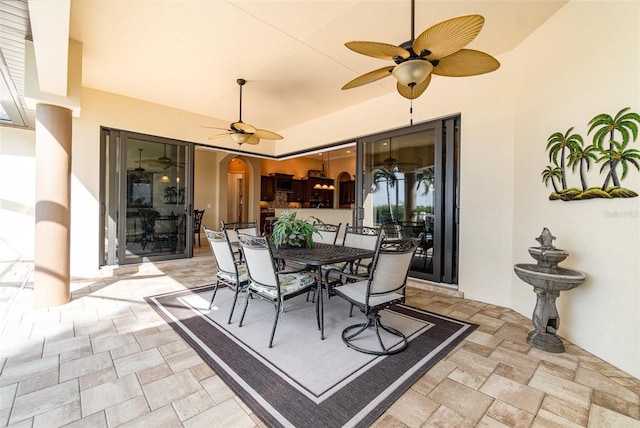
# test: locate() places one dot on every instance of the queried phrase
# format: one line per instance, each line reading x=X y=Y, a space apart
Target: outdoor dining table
x=318 y=256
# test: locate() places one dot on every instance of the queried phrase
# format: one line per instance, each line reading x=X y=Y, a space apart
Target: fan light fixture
x=437 y=50
x=411 y=73
x=243 y=133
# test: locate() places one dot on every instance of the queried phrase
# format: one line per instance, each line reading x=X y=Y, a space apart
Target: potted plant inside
x=289 y=231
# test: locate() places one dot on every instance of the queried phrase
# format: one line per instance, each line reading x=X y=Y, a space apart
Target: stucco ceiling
x=188 y=54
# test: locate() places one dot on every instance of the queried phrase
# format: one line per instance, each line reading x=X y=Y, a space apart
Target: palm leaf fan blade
x=448 y=36
x=416 y=91
x=378 y=50
x=267 y=135
x=215 y=127
x=226 y=134
x=370 y=77
x=253 y=140
x=466 y=62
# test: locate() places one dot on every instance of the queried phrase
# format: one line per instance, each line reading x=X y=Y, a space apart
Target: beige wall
x=554 y=80
x=17 y=194
x=592 y=66
x=206 y=183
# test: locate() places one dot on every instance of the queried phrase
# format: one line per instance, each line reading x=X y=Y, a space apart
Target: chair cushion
x=357 y=291
x=360 y=269
x=289 y=283
x=243 y=275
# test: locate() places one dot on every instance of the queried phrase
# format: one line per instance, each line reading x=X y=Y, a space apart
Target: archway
x=238 y=199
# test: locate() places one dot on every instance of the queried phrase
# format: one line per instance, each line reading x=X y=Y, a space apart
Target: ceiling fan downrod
x=241 y=82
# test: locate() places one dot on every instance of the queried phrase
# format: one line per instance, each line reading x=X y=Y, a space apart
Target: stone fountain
x=548 y=280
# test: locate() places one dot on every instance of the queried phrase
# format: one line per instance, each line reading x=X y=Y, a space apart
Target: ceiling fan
x=392 y=164
x=438 y=50
x=139 y=168
x=242 y=132
x=163 y=161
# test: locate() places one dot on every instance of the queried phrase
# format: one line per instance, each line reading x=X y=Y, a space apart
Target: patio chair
x=392 y=229
x=266 y=282
x=385 y=286
x=231 y=272
x=364 y=237
x=197 y=221
x=361 y=237
x=327 y=233
x=233 y=228
x=418 y=230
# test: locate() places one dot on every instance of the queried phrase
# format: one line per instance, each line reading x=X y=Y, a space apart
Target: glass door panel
x=156 y=204
x=400 y=186
x=408 y=185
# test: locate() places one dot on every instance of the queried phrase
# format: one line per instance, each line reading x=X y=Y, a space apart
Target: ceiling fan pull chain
x=411 y=113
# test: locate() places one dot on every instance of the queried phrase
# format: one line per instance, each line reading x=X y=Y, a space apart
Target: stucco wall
x=584 y=61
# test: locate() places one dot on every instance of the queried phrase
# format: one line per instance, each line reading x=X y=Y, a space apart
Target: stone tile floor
x=106 y=359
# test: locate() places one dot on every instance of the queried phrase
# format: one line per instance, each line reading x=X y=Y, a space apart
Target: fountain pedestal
x=548 y=280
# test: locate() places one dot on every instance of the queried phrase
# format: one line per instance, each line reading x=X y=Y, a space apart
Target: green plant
x=291 y=231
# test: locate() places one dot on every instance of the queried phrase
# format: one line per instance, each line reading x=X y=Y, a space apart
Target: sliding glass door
x=409 y=188
x=146 y=193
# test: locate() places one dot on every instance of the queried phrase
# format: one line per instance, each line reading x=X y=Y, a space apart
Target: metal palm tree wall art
x=610 y=147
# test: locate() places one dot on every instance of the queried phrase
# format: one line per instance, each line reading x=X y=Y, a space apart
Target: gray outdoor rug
x=304 y=381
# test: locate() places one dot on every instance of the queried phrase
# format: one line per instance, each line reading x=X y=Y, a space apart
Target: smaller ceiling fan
x=139 y=168
x=163 y=161
x=438 y=50
x=392 y=164
x=242 y=132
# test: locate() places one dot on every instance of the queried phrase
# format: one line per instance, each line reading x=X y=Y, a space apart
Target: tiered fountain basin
x=560 y=279
x=548 y=280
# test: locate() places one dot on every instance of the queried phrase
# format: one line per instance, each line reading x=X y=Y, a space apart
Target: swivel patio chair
x=385 y=286
x=266 y=282
x=197 y=221
x=231 y=272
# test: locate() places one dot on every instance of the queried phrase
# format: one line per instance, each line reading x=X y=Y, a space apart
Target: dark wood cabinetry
x=347 y=194
x=299 y=191
x=267 y=188
x=320 y=196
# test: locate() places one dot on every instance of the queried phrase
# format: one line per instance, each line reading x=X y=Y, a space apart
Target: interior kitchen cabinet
x=267 y=188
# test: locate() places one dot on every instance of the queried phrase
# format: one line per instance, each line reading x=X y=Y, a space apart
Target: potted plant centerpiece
x=289 y=231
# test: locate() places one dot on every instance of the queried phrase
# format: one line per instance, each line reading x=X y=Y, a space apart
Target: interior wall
x=300 y=167
x=591 y=65
x=206 y=183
